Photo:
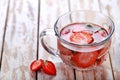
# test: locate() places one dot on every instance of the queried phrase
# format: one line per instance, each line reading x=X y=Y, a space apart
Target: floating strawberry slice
x=65 y=32
x=102 y=32
x=84 y=59
x=81 y=37
x=36 y=65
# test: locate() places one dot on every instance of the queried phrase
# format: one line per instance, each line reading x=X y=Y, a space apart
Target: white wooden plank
x=112 y=9
x=84 y=5
x=50 y=10
x=20 y=40
x=3 y=13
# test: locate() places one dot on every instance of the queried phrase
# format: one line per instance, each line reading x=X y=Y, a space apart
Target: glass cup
x=79 y=56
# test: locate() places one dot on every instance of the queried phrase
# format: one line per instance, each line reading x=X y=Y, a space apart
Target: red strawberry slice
x=49 y=68
x=81 y=37
x=102 y=32
x=36 y=65
x=65 y=31
x=84 y=59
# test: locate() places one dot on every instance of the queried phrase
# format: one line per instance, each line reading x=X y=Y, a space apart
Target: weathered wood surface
x=20 y=45
x=21 y=22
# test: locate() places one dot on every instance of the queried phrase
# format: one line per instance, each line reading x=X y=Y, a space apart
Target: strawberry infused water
x=83 y=38
x=80 y=35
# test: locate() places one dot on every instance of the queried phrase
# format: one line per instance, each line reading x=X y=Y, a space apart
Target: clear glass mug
x=67 y=50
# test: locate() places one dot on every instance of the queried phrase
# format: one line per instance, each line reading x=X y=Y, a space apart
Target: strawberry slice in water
x=81 y=37
x=65 y=32
x=84 y=59
x=102 y=32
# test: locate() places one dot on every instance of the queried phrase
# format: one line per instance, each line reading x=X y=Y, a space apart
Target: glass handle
x=46 y=46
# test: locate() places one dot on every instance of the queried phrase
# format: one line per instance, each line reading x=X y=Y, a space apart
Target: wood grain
x=84 y=5
x=112 y=9
x=3 y=19
x=20 y=40
x=50 y=10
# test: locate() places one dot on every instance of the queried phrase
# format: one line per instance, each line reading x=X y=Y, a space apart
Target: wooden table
x=21 y=22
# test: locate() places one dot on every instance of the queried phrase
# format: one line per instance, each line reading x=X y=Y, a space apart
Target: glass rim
x=92 y=44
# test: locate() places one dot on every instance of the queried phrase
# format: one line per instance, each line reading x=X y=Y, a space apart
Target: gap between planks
x=5 y=27
x=38 y=21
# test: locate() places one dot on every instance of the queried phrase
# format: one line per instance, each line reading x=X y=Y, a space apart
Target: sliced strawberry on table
x=81 y=37
x=49 y=68
x=84 y=59
x=36 y=65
